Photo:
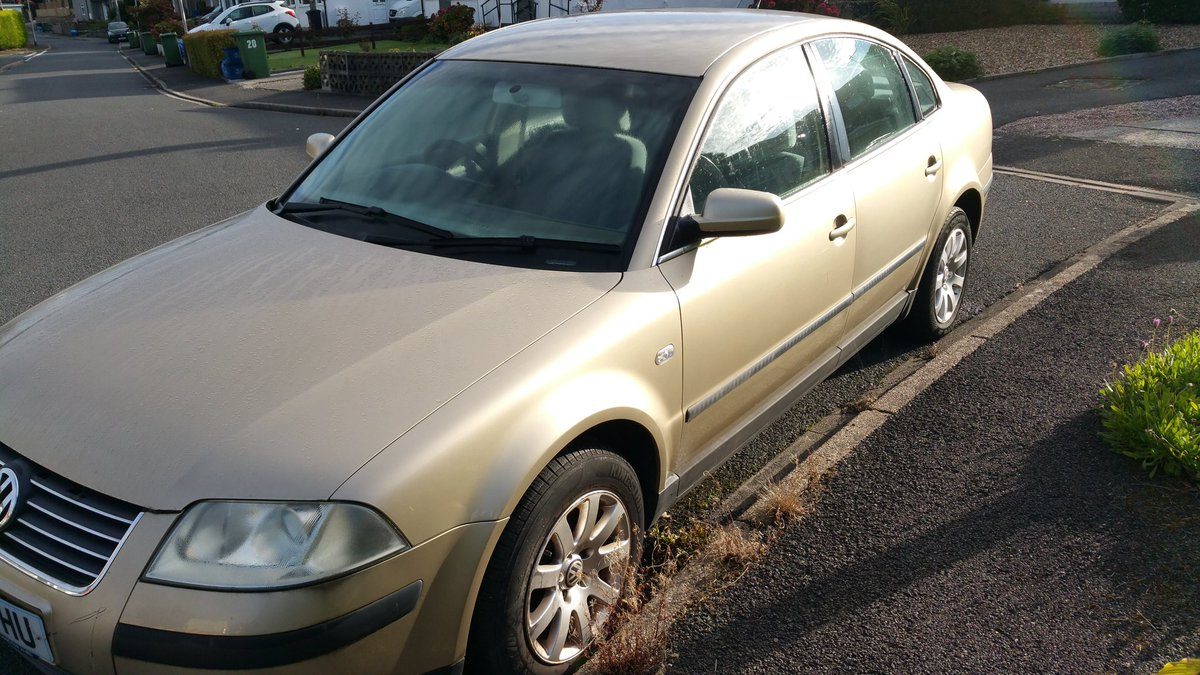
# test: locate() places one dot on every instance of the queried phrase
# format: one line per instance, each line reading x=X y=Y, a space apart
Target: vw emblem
x=10 y=495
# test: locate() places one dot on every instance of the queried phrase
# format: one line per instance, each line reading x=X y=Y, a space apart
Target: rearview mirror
x=317 y=144
x=730 y=212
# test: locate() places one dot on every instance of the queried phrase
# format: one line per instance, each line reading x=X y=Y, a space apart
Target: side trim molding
x=708 y=401
x=812 y=327
x=887 y=271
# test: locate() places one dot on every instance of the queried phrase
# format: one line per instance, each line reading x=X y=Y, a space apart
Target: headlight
x=271 y=545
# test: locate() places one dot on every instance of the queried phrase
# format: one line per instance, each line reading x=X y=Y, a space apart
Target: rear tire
x=559 y=568
x=940 y=294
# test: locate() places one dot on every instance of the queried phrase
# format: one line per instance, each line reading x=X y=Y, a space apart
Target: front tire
x=283 y=34
x=560 y=566
x=939 y=296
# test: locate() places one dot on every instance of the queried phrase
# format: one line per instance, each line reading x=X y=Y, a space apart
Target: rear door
x=894 y=164
x=759 y=312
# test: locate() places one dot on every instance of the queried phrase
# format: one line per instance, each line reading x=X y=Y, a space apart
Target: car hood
x=259 y=359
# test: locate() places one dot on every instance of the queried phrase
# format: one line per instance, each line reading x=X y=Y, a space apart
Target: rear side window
x=259 y=10
x=768 y=133
x=871 y=92
x=924 y=87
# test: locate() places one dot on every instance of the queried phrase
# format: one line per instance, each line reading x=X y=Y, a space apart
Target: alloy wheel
x=577 y=579
x=951 y=274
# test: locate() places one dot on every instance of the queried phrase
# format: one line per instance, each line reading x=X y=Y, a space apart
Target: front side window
x=552 y=165
x=768 y=133
x=871 y=92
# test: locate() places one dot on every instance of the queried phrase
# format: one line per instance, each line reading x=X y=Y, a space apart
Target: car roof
x=673 y=41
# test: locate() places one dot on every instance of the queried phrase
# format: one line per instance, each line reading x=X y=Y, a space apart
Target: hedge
x=1161 y=11
x=205 y=51
x=12 y=30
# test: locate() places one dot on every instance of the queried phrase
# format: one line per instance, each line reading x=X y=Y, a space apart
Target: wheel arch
x=971 y=202
x=633 y=443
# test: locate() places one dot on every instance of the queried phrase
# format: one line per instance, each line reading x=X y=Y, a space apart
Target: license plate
x=25 y=630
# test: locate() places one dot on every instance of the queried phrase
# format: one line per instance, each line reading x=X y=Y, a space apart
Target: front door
x=760 y=311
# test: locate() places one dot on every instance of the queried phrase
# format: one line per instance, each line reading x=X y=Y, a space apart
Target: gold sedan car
x=412 y=415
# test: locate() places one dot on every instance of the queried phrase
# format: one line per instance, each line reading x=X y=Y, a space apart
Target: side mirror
x=730 y=212
x=317 y=144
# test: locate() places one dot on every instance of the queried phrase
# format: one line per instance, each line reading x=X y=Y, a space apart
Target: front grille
x=63 y=534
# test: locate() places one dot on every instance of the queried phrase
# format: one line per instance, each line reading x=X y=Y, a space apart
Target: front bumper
x=408 y=614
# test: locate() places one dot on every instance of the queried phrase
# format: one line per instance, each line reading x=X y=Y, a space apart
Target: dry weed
x=778 y=504
x=733 y=546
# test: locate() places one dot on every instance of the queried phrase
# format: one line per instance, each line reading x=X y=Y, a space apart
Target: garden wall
x=369 y=73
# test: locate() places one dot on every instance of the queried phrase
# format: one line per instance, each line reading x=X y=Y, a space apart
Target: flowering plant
x=826 y=7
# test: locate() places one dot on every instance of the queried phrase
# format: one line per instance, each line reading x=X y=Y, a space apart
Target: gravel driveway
x=1019 y=48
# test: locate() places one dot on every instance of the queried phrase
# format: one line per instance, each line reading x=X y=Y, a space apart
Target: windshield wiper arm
x=326 y=204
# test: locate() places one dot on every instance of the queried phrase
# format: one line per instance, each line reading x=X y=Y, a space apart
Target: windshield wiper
x=326 y=204
x=521 y=242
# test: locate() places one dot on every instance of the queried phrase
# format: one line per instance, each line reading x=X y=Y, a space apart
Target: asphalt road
x=97 y=166
x=1110 y=83
x=987 y=528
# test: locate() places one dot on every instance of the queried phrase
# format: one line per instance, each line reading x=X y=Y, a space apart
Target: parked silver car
x=413 y=414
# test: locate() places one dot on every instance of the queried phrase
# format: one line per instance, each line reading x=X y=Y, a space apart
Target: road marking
x=1131 y=190
x=34 y=56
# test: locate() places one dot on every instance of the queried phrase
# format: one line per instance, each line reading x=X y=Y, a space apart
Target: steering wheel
x=447 y=153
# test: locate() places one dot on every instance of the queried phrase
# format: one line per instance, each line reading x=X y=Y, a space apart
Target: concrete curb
x=159 y=84
x=298 y=109
x=248 y=105
x=1065 y=66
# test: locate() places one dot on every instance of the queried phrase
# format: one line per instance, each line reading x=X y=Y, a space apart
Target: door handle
x=933 y=166
x=842 y=226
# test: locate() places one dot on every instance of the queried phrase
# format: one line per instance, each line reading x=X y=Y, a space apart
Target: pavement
x=278 y=93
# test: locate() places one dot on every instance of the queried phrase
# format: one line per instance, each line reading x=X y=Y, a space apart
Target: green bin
x=252 y=47
x=170 y=45
x=134 y=41
x=149 y=46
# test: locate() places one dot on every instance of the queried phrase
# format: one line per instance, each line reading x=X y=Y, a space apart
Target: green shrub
x=954 y=64
x=169 y=26
x=451 y=21
x=1151 y=411
x=1161 y=11
x=151 y=12
x=12 y=30
x=1133 y=39
x=206 y=51
x=312 y=77
x=411 y=32
x=895 y=16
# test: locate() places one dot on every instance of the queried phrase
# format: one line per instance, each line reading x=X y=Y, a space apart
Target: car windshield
x=539 y=165
x=117 y=25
